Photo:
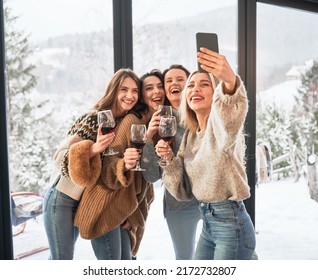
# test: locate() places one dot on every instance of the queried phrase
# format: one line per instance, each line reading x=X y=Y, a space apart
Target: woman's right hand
x=153 y=125
x=102 y=142
x=131 y=155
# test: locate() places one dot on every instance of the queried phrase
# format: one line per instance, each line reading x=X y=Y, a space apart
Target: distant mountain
x=84 y=62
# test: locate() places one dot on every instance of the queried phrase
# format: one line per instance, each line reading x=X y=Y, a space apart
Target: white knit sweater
x=210 y=163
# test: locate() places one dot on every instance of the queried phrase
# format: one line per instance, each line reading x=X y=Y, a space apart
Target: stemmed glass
x=138 y=140
x=167 y=130
x=166 y=110
x=107 y=119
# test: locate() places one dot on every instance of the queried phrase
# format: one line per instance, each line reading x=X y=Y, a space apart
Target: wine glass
x=167 y=130
x=138 y=140
x=166 y=110
x=106 y=118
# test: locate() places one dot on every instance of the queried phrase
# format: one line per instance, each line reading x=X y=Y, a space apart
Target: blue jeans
x=182 y=225
x=58 y=212
x=227 y=233
x=114 y=245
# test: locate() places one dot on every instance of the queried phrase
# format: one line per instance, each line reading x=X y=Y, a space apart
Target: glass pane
x=287 y=118
x=59 y=57
x=165 y=35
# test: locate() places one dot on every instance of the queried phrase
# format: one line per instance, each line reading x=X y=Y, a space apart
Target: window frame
x=123 y=57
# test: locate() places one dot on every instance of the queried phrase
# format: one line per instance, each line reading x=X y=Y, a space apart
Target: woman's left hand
x=164 y=150
x=218 y=65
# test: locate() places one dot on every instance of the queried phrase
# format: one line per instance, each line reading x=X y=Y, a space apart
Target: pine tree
x=272 y=128
x=306 y=112
x=27 y=150
x=305 y=123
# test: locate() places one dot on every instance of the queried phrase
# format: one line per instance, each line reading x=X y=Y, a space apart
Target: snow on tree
x=305 y=123
x=306 y=111
x=273 y=128
x=28 y=145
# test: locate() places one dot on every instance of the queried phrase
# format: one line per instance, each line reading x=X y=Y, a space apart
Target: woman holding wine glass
x=167 y=130
x=153 y=96
x=138 y=141
x=118 y=202
x=62 y=199
x=106 y=119
x=182 y=217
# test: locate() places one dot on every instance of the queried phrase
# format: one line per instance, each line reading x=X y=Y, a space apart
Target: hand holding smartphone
x=209 y=41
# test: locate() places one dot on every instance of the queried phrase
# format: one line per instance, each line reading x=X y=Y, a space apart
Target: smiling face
x=152 y=92
x=175 y=80
x=199 y=93
x=127 y=96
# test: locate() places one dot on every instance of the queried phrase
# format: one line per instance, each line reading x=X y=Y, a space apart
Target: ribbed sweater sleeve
x=113 y=171
x=228 y=115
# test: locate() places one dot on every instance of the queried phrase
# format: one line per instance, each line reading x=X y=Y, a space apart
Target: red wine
x=167 y=138
x=106 y=130
x=138 y=145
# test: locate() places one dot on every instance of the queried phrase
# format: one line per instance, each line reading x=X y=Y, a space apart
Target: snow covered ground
x=286 y=225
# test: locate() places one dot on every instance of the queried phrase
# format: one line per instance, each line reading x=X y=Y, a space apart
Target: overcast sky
x=43 y=18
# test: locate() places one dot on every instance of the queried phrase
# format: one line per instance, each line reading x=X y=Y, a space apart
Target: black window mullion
x=122 y=28
x=247 y=71
x=6 y=244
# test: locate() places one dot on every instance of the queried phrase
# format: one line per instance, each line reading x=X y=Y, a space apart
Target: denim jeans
x=228 y=232
x=58 y=213
x=114 y=245
x=182 y=226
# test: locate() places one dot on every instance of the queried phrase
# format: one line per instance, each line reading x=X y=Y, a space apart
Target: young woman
x=210 y=163
x=113 y=210
x=62 y=199
x=181 y=216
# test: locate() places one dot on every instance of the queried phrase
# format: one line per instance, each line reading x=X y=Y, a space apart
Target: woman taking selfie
x=210 y=162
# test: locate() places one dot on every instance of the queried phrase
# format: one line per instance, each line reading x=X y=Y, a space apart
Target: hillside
x=83 y=62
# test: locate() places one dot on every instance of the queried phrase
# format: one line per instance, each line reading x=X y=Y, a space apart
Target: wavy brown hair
x=109 y=98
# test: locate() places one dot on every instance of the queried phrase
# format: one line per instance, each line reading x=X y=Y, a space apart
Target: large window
x=59 y=59
x=165 y=35
x=287 y=77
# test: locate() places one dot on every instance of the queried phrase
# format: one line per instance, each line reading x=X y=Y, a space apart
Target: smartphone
x=209 y=41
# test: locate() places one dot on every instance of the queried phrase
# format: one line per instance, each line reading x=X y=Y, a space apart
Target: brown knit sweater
x=117 y=195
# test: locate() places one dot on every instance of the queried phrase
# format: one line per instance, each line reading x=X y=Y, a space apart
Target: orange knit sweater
x=117 y=195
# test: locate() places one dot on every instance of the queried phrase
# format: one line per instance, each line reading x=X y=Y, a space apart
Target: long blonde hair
x=188 y=117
